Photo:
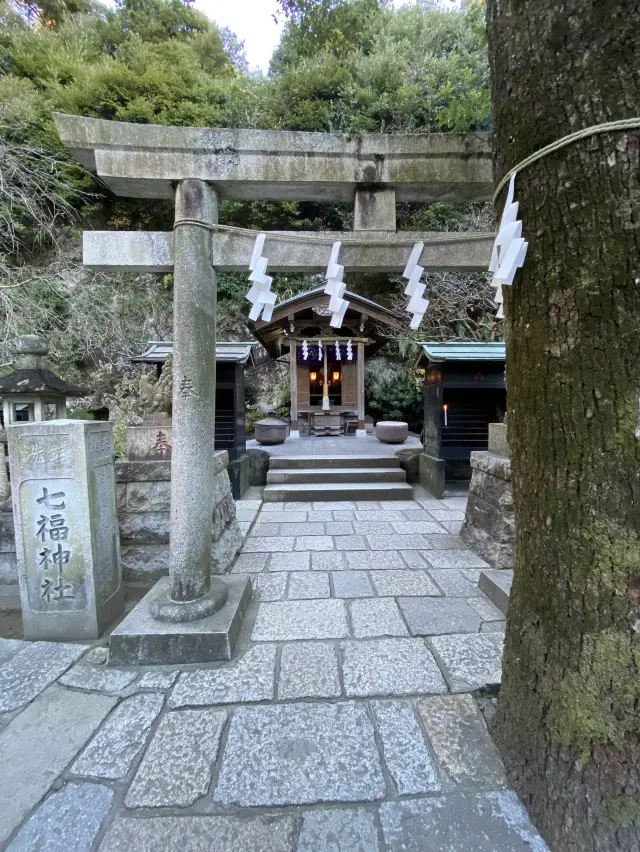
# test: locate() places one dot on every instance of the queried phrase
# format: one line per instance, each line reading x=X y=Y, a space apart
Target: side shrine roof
x=467 y=351
x=237 y=352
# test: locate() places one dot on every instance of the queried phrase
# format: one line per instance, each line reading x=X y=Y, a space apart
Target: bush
x=393 y=392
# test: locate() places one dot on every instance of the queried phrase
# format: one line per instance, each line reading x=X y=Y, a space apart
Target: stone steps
x=323 y=462
x=335 y=474
x=337 y=491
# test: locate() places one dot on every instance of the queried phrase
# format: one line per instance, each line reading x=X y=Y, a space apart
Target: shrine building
x=326 y=365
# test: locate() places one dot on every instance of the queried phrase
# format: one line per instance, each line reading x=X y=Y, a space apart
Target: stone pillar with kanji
x=67 y=543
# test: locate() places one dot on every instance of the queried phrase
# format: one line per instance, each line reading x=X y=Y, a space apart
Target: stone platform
x=349 y=717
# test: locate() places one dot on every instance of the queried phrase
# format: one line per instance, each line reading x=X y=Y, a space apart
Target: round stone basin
x=270 y=431
x=392 y=432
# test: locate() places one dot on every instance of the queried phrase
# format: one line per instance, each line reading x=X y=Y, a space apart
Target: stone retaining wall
x=144 y=497
x=489 y=524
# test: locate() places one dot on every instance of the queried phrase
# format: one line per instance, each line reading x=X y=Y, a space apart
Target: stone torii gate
x=197 y=167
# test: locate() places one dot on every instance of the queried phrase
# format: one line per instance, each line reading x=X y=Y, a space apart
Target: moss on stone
x=624 y=810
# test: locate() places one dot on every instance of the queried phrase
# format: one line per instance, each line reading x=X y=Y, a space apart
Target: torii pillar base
x=142 y=640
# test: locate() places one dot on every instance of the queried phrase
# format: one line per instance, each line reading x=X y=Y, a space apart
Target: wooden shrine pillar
x=293 y=378
x=361 y=431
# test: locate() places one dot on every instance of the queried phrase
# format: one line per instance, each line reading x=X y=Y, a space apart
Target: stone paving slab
x=269 y=587
x=344 y=516
x=454 y=559
x=308 y=584
x=339 y=528
x=454 y=584
x=447 y=514
x=200 y=834
x=111 y=753
x=304 y=529
x=268 y=529
x=433 y=617
x=380 y=667
x=250 y=563
x=289 y=562
x=351 y=584
x=486 y=610
x=269 y=507
x=352 y=830
x=376 y=617
x=351 y=542
x=452 y=527
x=290 y=620
x=461 y=742
x=177 y=766
x=309 y=670
x=292 y=754
x=462 y=822
x=24 y=675
x=373 y=528
x=68 y=821
x=335 y=506
x=98 y=679
x=408 y=759
x=314 y=542
x=443 y=542
x=249 y=677
x=374 y=561
x=156 y=680
x=268 y=544
x=381 y=515
x=419 y=527
x=413 y=559
x=267 y=516
x=409 y=582
x=396 y=542
x=39 y=743
x=470 y=661
x=332 y=561
x=9 y=647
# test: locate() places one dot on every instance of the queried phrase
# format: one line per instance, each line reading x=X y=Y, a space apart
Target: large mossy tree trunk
x=568 y=722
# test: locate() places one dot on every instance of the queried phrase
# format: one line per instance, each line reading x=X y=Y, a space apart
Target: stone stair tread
x=311 y=462
x=348 y=475
x=338 y=491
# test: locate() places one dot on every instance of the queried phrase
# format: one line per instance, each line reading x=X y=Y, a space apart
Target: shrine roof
x=234 y=351
x=34 y=381
x=436 y=351
x=314 y=304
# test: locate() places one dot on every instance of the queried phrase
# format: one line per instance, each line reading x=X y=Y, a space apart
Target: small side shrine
x=232 y=359
x=464 y=391
x=32 y=387
x=326 y=365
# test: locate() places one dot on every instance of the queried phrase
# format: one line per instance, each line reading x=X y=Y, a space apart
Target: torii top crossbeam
x=144 y=161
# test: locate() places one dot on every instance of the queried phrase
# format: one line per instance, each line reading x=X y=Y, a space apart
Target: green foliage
x=393 y=392
x=250 y=391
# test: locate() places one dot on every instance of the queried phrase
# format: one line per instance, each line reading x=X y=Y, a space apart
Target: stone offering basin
x=392 y=432
x=270 y=431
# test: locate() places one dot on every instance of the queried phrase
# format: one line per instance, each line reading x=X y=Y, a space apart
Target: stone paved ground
x=345 y=721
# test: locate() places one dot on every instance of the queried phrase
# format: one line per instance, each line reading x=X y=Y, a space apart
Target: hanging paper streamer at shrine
x=335 y=288
x=415 y=290
x=509 y=248
x=260 y=295
x=335 y=352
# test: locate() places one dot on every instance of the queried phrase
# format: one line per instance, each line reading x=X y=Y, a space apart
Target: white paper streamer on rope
x=305 y=350
x=415 y=290
x=509 y=248
x=349 y=351
x=338 y=355
x=262 y=299
x=335 y=288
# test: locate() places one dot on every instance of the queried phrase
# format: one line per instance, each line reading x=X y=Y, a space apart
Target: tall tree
x=568 y=721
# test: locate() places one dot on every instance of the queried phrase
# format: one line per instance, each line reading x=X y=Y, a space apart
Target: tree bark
x=568 y=722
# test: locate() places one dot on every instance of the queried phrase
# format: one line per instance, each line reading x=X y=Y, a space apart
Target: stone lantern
x=32 y=386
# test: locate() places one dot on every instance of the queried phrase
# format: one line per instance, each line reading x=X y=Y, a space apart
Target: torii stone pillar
x=193 y=592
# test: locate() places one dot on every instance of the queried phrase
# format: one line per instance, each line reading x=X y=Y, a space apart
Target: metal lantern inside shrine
x=32 y=387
